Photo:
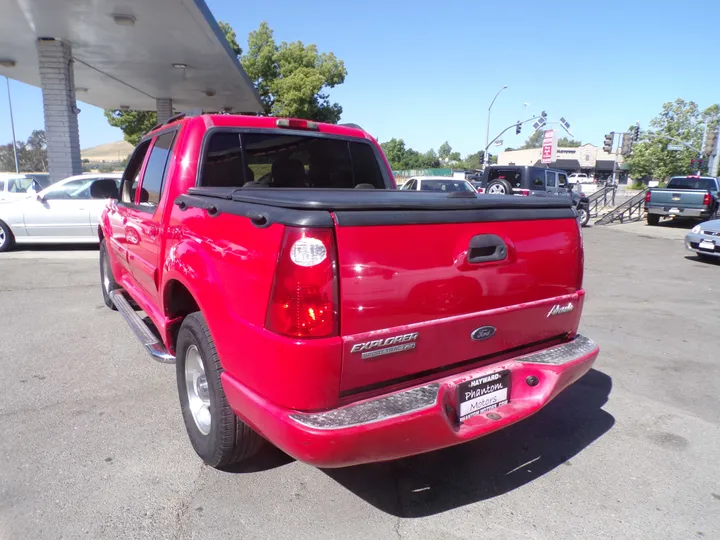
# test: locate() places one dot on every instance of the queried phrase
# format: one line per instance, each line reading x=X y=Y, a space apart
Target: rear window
x=511 y=175
x=289 y=161
x=444 y=185
x=707 y=184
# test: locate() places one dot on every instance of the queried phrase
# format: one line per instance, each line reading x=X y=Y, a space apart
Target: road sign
x=549 y=146
x=675 y=147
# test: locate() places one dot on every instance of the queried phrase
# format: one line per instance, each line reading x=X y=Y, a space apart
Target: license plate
x=707 y=244
x=674 y=211
x=483 y=394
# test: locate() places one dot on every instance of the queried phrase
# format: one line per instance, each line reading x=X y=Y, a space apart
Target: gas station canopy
x=130 y=53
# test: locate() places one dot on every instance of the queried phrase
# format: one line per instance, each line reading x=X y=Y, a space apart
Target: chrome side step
x=149 y=340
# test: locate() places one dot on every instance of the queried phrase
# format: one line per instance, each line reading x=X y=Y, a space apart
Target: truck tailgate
x=417 y=298
x=679 y=198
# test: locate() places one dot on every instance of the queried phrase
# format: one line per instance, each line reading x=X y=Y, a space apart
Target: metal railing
x=602 y=198
x=631 y=210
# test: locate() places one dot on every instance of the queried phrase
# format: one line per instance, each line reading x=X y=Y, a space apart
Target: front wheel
x=218 y=436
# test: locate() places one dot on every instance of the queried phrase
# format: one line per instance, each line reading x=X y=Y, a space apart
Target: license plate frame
x=483 y=393
x=708 y=245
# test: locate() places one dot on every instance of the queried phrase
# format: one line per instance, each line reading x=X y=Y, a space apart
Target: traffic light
x=518 y=128
x=608 y=144
x=489 y=159
x=626 y=147
x=481 y=156
x=710 y=141
x=636 y=133
x=543 y=114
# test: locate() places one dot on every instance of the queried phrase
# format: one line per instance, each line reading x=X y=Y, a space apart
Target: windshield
x=706 y=184
x=445 y=185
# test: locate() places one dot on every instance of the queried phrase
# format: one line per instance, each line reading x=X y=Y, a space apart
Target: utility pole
x=487 y=130
x=12 y=126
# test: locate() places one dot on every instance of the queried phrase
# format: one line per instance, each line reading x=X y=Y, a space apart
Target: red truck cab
x=309 y=303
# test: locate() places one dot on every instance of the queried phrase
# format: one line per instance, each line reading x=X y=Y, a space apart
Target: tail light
x=522 y=192
x=295 y=123
x=648 y=196
x=707 y=199
x=304 y=299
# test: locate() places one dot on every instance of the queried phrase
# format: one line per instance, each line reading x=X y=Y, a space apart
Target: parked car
x=20 y=186
x=443 y=184
x=307 y=302
x=694 y=197
x=66 y=212
x=533 y=181
x=704 y=239
x=581 y=178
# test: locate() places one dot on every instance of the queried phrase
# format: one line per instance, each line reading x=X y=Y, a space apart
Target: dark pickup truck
x=694 y=197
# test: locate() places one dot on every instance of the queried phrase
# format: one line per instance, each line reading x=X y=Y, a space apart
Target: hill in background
x=110 y=152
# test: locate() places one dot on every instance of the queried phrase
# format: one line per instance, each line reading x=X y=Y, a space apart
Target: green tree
x=292 y=79
x=679 y=122
x=134 y=124
x=231 y=37
x=32 y=154
x=430 y=159
x=444 y=151
x=454 y=156
x=568 y=143
x=533 y=141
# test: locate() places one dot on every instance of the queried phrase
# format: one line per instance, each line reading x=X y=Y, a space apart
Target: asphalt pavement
x=93 y=444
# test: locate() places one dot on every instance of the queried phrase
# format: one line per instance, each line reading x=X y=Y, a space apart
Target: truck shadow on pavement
x=491 y=466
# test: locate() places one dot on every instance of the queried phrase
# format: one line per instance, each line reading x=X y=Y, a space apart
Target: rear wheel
x=583 y=215
x=499 y=187
x=653 y=219
x=218 y=436
x=7 y=240
x=107 y=280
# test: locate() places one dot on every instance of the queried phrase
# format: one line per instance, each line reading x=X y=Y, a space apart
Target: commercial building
x=159 y=55
x=587 y=158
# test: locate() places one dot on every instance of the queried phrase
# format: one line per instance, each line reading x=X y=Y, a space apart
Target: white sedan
x=440 y=184
x=66 y=212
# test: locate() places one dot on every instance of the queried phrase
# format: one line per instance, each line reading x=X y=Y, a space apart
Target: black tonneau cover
x=333 y=200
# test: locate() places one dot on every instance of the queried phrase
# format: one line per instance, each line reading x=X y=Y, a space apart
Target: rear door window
x=551 y=179
x=562 y=180
x=289 y=160
x=537 y=179
x=131 y=176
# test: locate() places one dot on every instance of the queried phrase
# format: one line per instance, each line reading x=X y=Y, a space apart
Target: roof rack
x=187 y=114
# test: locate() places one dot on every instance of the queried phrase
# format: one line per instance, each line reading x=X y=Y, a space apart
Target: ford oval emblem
x=483 y=333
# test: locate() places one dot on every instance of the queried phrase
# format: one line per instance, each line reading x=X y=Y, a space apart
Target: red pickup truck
x=307 y=302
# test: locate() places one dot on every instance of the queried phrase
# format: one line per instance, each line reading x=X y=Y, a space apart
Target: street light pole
x=12 y=126
x=487 y=132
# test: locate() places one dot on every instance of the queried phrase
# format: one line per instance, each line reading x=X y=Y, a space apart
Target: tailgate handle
x=486 y=248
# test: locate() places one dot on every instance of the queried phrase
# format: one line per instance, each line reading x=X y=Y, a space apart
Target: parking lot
x=93 y=444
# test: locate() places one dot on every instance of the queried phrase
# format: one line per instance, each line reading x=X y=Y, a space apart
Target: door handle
x=486 y=248
x=124 y=220
x=151 y=230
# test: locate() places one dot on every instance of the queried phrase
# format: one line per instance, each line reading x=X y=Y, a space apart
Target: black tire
x=583 y=215
x=107 y=279
x=7 y=238
x=653 y=219
x=499 y=187
x=229 y=440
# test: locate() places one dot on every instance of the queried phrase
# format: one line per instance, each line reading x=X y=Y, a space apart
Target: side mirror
x=39 y=198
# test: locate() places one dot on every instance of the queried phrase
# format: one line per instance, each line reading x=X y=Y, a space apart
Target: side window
x=73 y=190
x=131 y=176
x=154 y=176
x=550 y=179
x=562 y=180
x=412 y=184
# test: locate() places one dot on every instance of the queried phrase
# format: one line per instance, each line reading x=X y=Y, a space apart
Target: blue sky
x=426 y=72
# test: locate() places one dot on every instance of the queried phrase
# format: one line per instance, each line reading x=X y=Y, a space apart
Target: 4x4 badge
x=558 y=309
